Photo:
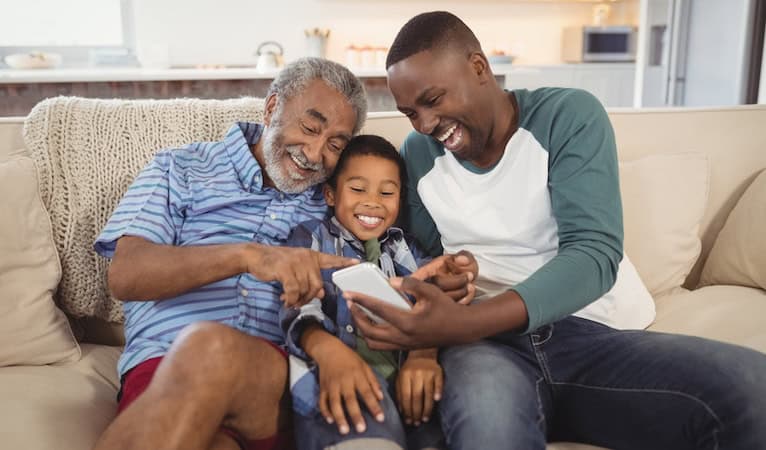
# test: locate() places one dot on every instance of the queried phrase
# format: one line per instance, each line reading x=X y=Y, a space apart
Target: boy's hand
x=453 y=273
x=418 y=385
x=343 y=376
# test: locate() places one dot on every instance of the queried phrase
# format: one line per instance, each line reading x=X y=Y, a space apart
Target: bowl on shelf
x=501 y=59
x=33 y=60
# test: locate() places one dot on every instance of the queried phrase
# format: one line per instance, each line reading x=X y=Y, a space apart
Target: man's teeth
x=369 y=220
x=447 y=133
x=299 y=163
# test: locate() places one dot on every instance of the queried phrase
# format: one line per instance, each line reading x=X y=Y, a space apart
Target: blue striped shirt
x=201 y=194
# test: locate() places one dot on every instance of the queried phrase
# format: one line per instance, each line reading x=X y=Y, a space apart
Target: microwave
x=599 y=44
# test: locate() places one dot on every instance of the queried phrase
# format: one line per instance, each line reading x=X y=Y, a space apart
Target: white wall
x=228 y=31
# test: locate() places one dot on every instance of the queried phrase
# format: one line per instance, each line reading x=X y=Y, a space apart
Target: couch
x=689 y=180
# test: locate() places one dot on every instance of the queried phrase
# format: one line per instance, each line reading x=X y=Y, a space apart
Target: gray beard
x=274 y=151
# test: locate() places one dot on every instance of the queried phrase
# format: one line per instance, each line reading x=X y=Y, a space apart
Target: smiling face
x=444 y=95
x=304 y=137
x=366 y=195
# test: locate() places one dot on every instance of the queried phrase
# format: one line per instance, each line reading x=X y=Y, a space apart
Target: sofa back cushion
x=664 y=198
x=738 y=256
x=88 y=152
x=732 y=138
x=33 y=331
x=11 y=142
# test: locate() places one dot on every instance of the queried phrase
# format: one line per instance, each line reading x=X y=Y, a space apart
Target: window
x=83 y=31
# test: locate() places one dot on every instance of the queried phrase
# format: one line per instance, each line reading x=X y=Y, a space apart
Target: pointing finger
x=327 y=261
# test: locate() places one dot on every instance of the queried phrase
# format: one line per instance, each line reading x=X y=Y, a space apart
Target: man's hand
x=297 y=269
x=434 y=320
x=418 y=385
x=343 y=378
x=453 y=273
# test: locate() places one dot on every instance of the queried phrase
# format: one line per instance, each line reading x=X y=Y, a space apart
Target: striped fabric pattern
x=202 y=194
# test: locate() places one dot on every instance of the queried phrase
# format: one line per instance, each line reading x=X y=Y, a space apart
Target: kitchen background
x=207 y=48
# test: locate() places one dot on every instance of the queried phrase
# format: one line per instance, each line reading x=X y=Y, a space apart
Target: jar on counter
x=353 y=56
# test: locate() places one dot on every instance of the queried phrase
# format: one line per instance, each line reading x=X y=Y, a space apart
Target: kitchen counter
x=84 y=75
x=20 y=90
x=81 y=75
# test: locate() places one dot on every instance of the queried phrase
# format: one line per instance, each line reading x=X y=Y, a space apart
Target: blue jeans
x=312 y=432
x=580 y=381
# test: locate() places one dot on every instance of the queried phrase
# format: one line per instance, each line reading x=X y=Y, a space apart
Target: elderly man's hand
x=297 y=269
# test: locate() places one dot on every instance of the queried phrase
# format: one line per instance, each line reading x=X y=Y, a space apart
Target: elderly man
x=195 y=248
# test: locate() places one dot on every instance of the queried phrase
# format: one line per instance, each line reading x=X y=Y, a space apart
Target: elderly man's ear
x=268 y=109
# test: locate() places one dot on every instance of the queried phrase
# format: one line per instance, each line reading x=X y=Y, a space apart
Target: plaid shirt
x=399 y=257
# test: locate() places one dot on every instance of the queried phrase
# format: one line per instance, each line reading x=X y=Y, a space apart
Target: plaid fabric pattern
x=399 y=257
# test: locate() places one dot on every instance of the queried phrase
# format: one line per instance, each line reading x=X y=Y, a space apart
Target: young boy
x=365 y=192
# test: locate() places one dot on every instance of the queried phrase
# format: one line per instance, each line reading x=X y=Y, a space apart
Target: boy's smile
x=366 y=197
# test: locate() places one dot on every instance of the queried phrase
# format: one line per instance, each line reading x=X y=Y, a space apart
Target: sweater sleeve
x=417 y=221
x=585 y=198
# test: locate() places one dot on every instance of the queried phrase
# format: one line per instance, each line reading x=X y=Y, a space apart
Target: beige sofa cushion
x=739 y=254
x=32 y=329
x=664 y=199
x=732 y=314
x=59 y=407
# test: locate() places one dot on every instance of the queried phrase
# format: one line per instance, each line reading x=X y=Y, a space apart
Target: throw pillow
x=33 y=331
x=738 y=255
x=664 y=198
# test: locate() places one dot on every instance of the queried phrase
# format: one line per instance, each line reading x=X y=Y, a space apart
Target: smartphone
x=368 y=279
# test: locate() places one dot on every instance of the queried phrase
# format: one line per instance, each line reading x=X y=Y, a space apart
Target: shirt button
x=349 y=328
x=273 y=216
x=243 y=292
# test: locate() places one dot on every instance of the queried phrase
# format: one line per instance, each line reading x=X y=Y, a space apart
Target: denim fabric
x=312 y=432
x=581 y=381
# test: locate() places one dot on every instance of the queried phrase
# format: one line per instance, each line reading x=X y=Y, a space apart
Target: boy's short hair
x=369 y=144
x=434 y=30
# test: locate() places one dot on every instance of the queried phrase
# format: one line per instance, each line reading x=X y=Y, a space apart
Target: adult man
x=528 y=182
x=195 y=247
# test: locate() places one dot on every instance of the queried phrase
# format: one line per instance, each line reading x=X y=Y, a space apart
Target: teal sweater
x=546 y=221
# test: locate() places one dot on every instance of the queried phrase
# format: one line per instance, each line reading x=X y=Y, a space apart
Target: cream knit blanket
x=88 y=152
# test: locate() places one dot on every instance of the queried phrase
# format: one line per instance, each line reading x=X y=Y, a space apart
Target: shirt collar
x=238 y=140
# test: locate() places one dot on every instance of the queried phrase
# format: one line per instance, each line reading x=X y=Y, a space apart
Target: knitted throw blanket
x=88 y=152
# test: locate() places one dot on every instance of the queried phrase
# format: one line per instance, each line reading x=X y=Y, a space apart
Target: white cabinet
x=610 y=83
x=533 y=77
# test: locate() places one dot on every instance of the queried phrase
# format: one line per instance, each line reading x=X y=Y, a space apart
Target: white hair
x=293 y=79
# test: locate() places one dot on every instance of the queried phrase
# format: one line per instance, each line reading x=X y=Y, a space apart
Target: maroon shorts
x=135 y=381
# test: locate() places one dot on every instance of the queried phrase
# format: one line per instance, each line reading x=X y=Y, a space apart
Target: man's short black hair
x=431 y=31
x=364 y=145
